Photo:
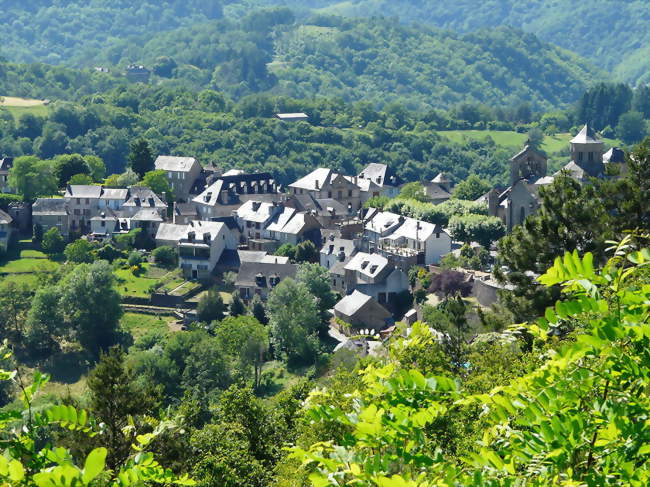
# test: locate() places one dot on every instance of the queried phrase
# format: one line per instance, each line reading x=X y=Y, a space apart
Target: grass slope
x=19 y=106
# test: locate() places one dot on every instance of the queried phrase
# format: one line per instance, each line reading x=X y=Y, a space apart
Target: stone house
x=83 y=204
x=5 y=230
x=363 y=312
x=200 y=248
x=374 y=275
x=259 y=278
x=386 y=182
x=52 y=212
x=324 y=183
x=181 y=172
x=6 y=164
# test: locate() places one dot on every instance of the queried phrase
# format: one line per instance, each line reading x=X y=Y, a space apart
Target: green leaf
x=94 y=464
x=16 y=471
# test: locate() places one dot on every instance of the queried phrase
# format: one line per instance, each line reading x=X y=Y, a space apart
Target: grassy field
x=551 y=144
x=137 y=324
x=23 y=257
x=132 y=285
x=19 y=106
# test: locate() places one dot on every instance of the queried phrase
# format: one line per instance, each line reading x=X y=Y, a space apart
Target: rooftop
x=83 y=191
x=368 y=264
x=352 y=303
x=586 y=136
x=50 y=206
x=5 y=219
x=315 y=180
x=174 y=163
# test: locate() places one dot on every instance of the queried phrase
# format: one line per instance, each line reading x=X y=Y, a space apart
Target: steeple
x=587 y=151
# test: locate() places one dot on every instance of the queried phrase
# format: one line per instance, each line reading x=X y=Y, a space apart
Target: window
x=349 y=193
x=78 y=201
x=103 y=223
x=257 y=225
x=339 y=194
x=591 y=156
x=77 y=211
x=437 y=235
x=249 y=224
x=87 y=201
x=580 y=154
x=381 y=297
x=329 y=194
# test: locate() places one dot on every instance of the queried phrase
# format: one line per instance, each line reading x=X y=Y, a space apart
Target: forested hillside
x=612 y=34
x=377 y=60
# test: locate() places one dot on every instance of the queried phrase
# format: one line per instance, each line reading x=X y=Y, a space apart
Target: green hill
x=613 y=34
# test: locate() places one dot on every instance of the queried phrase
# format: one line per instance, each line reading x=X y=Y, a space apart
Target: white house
x=374 y=275
x=200 y=248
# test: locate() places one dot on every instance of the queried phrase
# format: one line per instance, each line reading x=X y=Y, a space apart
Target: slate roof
x=281 y=219
x=436 y=192
x=186 y=209
x=410 y=229
x=173 y=163
x=368 y=264
x=114 y=194
x=380 y=174
x=210 y=195
x=6 y=163
x=106 y=214
x=261 y=256
x=322 y=176
x=352 y=303
x=256 y=211
x=614 y=155
x=382 y=221
x=141 y=196
x=527 y=148
x=336 y=245
x=50 y=206
x=201 y=228
x=249 y=270
x=5 y=218
x=442 y=178
x=147 y=215
x=575 y=171
x=171 y=231
x=586 y=136
x=83 y=191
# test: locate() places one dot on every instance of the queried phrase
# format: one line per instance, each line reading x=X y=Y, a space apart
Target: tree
x=15 y=301
x=571 y=216
x=535 y=138
x=319 y=284
x=141 y=158
x=35 y=456
x=124 y=180
x=97 y=168
x=84 y=179
x=53 y=242
x=471 y=188
x=165 y=256
x=247 y=340
x=91 y=305
x=631 y=127
x=211 y=307
x=450 y=282
x=237 y=306
x=68 y=165
x=413 y=191
x=114 y=398
x=157 y=182
x=306 y=252
x=294 y=319
x=258 y=310
x=45 y=323
x=135 y=258
x=32 y=178
x=477 y=228
x=79 y=251
x=286 y=250
x=206 y=369
x=37 y=233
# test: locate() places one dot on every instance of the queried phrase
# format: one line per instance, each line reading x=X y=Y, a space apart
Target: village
x=227 y=223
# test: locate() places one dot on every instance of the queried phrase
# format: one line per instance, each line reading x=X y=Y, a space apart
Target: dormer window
x=364 y=264
x=191 y=236
x=151 y=202
x=259 y=280
x=373 y=268
x=207 y=237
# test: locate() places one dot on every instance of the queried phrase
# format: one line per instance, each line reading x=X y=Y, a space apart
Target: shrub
x=135 y=259
x=53 y=242
x=165 y=256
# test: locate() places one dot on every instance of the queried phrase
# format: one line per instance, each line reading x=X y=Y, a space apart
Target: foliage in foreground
x=32 y=459
x=578 y=419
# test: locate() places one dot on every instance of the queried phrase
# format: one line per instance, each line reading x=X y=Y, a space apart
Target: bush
x=79 y=251
x=165 y=256
x=53 y=242
x=109 y=253
x=7 y=198
x=135 y=259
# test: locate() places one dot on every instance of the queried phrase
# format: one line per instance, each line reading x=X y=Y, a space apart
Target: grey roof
x=368 y=264
x=50 y=206
x=144 y=197
x=289 y=116
x=6 y=163
x=380 y=174
x=185 y=209
x=202 y=228
x=315 y=180
x=83 y=191
x=436 y=192
x=106 y=214
x=173 y=163
x=171 y=231
x=586 y=136
x=280 y=221
x=5 y=219
x=383 y=221
x=256 y=211
x=575 y=171
x=337 y=245
x=210 y=195
x=614 y=155
x=441 y=178
x=147 y=215
x=527 y=149
x=261 y=256
x=352 y=303
x=415 y=230
x=249 y=270
x=114 y=194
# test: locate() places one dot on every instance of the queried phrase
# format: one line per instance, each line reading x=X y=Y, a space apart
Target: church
x=528 y=173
